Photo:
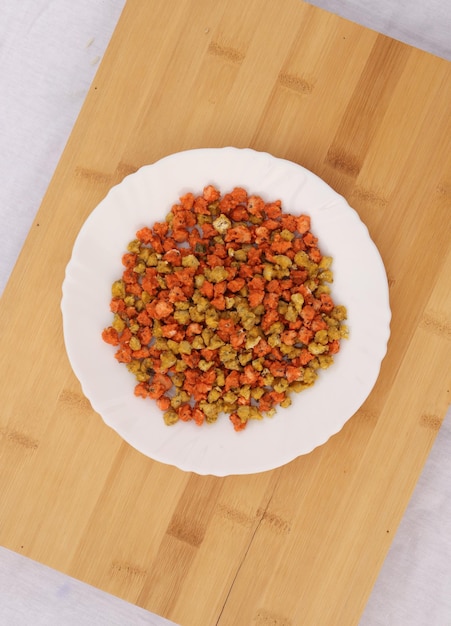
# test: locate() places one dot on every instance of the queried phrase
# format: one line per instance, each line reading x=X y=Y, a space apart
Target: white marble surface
x=49 y=53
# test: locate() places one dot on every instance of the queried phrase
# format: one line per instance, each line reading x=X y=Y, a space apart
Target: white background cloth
x=49 y=53
x=425 y=24
x=32 y=594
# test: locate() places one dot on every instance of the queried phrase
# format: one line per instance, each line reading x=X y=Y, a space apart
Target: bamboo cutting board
x=301 y=544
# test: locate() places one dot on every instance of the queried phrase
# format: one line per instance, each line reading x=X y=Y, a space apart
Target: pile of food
x=225 y=307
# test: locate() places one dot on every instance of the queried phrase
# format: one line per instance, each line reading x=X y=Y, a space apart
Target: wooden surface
x=302 y=544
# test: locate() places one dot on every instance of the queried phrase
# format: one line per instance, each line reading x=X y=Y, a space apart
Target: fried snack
x=225 y=308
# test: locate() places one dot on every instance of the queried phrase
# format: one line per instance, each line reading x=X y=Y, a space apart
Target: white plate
x=360 y=284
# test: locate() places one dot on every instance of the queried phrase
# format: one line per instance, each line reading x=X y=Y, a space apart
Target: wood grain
x=372 y=117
